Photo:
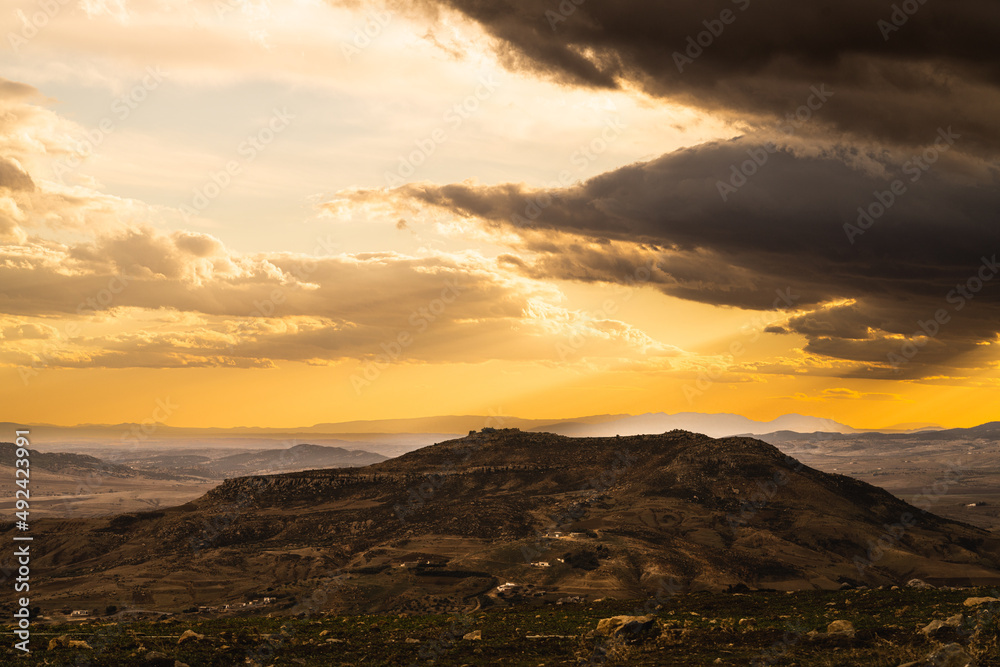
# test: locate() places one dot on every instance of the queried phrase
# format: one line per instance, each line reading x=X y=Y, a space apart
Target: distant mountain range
x=396 y=430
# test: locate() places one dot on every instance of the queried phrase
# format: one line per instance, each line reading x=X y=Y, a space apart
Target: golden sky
x=285 y=213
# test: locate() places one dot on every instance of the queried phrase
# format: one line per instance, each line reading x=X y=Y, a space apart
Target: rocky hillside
x=592 y=517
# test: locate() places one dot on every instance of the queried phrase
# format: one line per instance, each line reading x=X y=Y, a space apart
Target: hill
x=441 y=527
x=265 y=461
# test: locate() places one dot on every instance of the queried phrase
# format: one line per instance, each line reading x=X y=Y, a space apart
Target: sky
x=280 y=213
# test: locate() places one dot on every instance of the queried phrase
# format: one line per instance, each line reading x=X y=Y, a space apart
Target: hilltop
x=443 y=526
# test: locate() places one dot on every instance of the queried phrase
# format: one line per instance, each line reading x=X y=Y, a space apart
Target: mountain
x=713 y=425
x=79 y=465
x=299 y=457
x=468 y=514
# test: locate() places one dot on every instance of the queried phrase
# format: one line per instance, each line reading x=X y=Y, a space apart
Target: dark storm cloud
x=793 y=228
x=894 y=81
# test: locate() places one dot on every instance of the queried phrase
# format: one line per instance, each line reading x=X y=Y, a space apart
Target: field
x=754 y=628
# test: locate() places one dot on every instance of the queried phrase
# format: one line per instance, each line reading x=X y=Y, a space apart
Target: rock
x=841 y=629
x=59 y=642
x=189 y=636
x=74 y=643
x=975 y=602
x=950 y=655
x=838 y=632
x=917 y=583
x=633 y=629
x=178 y=663
x=475 y=635
x=324 y=633
x=411 y=640
x=937 y=627
x=157 y=659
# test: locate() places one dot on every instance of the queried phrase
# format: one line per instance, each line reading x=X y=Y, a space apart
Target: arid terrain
x=956 y=471
x=74 y=485
x=441 y=528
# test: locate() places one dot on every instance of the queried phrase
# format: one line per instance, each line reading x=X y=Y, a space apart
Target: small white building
x=80 y=612
x=540 y=563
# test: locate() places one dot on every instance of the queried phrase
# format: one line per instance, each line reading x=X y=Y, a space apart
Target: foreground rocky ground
x=878 y=627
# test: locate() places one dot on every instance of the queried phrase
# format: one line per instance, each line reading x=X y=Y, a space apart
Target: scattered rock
x=59 y=642
x=189 y=636
x=633 y=629
x=938 y=627
x=917 y=583
x=975 y=602
x=838 y=632
x=411 y=640
x=841 y=629
x=476 y=635
x=63 y=641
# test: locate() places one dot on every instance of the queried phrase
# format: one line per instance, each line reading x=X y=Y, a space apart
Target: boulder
x=947 y=626
x=61 y=641
x=837 y=631
x=841 y=629
x=632 y=629
x=975 y=602
x=475 y=635
x=189 y=636
x=917 y=583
